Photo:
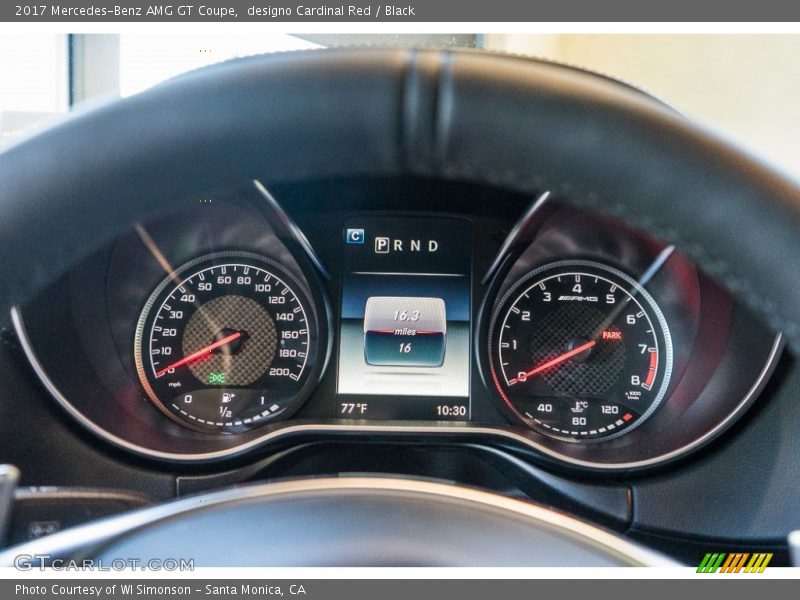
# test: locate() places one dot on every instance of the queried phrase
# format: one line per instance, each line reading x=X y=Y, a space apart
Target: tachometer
x=580 y=351
x=227 y=342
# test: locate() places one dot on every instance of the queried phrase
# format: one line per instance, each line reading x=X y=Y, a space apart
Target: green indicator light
x=218 y=378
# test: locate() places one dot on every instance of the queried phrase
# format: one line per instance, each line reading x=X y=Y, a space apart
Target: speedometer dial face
x=226 y=343
x=580 y=351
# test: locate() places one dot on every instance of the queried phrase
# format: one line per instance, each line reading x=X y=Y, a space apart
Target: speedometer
x=227 y=342
x=580 y=351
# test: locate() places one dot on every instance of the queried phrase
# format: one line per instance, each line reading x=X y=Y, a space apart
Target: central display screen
x=404 y=343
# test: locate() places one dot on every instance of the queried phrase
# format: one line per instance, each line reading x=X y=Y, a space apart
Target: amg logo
x=577 y=298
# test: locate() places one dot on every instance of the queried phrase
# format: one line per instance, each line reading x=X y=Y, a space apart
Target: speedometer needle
x=555 y=361
x=202 y=352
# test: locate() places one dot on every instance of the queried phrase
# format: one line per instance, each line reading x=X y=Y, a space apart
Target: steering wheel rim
x=457 y=115
x=348 y=521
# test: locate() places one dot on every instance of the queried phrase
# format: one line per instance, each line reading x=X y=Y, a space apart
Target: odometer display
x=580 y=351
x=226 y=342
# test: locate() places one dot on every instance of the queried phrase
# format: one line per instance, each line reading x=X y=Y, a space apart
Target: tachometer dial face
x=580 y=351
x=227 y=342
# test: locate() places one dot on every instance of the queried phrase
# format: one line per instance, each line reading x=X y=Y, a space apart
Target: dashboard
x=413 y=293
x=259 y=318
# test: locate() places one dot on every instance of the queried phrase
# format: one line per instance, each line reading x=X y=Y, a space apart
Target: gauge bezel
x=98 y=388
x=702 y=386
x=541 y=273
x=186 y=271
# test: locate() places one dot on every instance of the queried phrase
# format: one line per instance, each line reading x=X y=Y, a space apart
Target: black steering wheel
x=511 y=122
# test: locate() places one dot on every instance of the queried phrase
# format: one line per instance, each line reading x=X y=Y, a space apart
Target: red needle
x=556 y=361
x=203 y=351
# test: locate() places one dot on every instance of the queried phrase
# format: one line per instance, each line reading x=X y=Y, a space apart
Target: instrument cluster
x=252 y=318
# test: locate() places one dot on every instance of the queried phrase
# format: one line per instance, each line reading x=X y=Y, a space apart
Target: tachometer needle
x=202 y=352
x=555 y=361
